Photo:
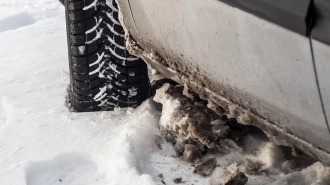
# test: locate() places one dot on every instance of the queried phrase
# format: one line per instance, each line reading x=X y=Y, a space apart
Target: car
x=262 y=62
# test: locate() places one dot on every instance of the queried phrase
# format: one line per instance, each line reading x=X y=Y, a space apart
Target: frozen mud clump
x=186 y=122
x=177 y=180
x=191 y=154
x=228 y=176
x=158 y=141
x=206 y=167
x=253 y=168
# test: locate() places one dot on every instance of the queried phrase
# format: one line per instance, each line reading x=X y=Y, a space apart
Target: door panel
x=322 y=63
x=321 y=49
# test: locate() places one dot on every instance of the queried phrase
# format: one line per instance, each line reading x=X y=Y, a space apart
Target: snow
x=316 y=174
x=93 y=4
x=81 y=49
x=16 y=21
x=43 y=143
x=270 y=164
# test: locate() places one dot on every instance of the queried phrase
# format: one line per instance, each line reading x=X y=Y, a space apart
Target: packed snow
x=43 y=143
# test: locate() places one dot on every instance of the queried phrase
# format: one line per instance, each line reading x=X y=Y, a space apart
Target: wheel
x=103 y=75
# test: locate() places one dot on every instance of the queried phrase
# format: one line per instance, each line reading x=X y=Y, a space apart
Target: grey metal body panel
x=322 y=62
x=320 y=43
x=261 y=66
x=321 y=26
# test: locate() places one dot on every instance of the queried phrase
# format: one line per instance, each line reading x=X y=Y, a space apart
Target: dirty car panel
x=246 y=67
x=321 y=50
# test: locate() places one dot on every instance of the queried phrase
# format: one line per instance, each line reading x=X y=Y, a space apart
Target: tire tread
x=97 y=62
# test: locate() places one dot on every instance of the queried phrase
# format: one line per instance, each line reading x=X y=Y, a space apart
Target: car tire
x=103 y=75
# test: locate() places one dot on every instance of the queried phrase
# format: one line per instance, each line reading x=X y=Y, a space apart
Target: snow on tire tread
x=104 y=74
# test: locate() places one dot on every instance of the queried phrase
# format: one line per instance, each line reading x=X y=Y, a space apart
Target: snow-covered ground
x=42 y=143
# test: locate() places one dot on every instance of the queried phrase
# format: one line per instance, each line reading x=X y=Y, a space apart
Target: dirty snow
x=238 y=149
x=43 y=143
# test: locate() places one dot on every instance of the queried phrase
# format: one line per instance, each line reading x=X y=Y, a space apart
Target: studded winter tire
x=103 y=75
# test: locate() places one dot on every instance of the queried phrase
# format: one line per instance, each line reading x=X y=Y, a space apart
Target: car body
x=262 y=62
